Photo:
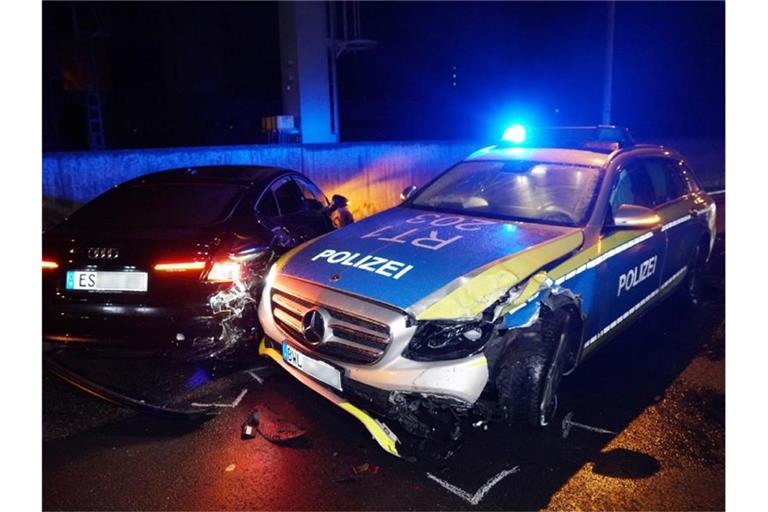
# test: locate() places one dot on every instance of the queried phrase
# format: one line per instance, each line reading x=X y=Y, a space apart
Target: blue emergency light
x=514 y=134
x=600 y=138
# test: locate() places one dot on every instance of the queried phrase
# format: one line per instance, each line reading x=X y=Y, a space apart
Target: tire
x=529 y=378
x=692 y=289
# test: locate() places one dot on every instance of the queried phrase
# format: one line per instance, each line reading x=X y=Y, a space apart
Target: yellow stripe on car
x=482 y=361
x=373 y=426
x=479 y=292
x=378 y=430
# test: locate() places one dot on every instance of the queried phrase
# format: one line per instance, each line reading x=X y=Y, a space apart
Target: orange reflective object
x=180 y=267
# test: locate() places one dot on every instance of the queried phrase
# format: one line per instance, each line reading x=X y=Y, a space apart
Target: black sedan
x=172 y=263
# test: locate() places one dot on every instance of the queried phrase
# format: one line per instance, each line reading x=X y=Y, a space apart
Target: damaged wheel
x=530 y=375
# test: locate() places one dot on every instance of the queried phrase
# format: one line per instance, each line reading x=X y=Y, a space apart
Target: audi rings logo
x=314 y=326
x=103 y=253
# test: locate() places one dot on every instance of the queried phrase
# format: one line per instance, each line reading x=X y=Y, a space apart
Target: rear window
x=167 y=205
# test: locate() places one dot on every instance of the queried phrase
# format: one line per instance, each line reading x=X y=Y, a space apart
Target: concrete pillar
x=305 y=67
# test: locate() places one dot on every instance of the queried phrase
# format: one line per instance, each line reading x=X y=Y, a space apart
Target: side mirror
x=407 y=192
x=632 y=216
x=338 y=201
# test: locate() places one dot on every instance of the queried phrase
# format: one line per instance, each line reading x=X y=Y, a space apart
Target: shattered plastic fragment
x=230 y=304
x=362 y=468
x=247 y=431
x=274 y=428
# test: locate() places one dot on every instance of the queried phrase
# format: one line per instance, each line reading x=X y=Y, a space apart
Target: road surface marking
x=255 y=377
x=234 y=403
x=474 y=499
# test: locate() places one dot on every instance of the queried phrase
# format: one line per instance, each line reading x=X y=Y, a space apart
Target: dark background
x=193 y=73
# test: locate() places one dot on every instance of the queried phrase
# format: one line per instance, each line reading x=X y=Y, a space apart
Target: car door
x=675 y=204
x=632 y=259
x=317 y=205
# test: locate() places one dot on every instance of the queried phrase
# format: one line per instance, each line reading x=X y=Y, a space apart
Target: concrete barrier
x=371 y=175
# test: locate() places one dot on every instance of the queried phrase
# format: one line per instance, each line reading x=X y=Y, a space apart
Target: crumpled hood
x=412 y=259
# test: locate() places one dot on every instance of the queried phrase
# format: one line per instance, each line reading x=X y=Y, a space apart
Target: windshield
x=515 y=190
x=167 y=205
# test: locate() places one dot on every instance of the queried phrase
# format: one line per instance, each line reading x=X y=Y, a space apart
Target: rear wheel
x=529 y=378
x=692 y=289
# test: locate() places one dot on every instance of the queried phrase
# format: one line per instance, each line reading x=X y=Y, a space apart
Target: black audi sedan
x=172 y=263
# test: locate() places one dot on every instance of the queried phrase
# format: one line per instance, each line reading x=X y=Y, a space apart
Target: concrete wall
x=371 y=175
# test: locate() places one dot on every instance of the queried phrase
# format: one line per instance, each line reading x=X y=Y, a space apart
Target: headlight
x=441 y=340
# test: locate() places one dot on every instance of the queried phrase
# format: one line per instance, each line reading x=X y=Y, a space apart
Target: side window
x=689 y=177
x=657 y=172
x=632 y=187
x=677 y=184
x=289 y=197
x=668 y=184
x=267 y=205
x=313 y=197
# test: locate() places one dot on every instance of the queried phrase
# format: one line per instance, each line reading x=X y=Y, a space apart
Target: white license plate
x=100 y=281
x=312 y=367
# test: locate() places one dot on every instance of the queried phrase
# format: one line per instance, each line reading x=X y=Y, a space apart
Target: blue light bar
x=514 y=134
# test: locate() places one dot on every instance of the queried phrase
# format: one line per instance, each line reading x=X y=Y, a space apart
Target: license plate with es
x=101 y=281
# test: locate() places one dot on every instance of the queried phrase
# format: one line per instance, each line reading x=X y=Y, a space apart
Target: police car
x=470 y=300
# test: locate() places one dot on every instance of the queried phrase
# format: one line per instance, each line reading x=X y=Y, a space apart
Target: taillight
x=180 y=266
x=225 y=271
x=49 y=265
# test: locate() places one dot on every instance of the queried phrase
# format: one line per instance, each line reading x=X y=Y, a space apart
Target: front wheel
x=529 y=378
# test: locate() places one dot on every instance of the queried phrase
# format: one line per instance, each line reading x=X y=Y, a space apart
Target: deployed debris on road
x=358 y=472
x=366 y=468
x=568 y=423
x=121 y=399
x=271 y=426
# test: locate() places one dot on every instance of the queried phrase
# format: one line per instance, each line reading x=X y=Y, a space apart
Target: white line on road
x=716 y=192
x=474 y=499
x=255 y=377
x=234 y=403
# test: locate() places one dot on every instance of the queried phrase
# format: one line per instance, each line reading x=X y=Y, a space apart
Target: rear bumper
x=130 y=329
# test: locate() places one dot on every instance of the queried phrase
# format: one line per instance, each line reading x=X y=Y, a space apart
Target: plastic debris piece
x=248 y=431
x=568 y=423
x=272 y=427
x=230 y=468
x=362 y=468
x=366 y=468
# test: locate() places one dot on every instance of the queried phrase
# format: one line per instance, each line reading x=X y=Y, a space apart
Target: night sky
x=205 y=73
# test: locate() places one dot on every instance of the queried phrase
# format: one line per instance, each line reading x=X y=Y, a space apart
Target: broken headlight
x=436 y=340
x=441 y=340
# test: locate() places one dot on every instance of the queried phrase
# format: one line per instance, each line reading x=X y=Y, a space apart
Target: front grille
x=354 y=338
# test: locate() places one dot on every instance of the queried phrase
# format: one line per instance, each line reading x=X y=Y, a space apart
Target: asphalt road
x=659 y=386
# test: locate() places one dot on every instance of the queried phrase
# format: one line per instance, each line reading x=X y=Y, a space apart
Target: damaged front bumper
x=421 y=418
